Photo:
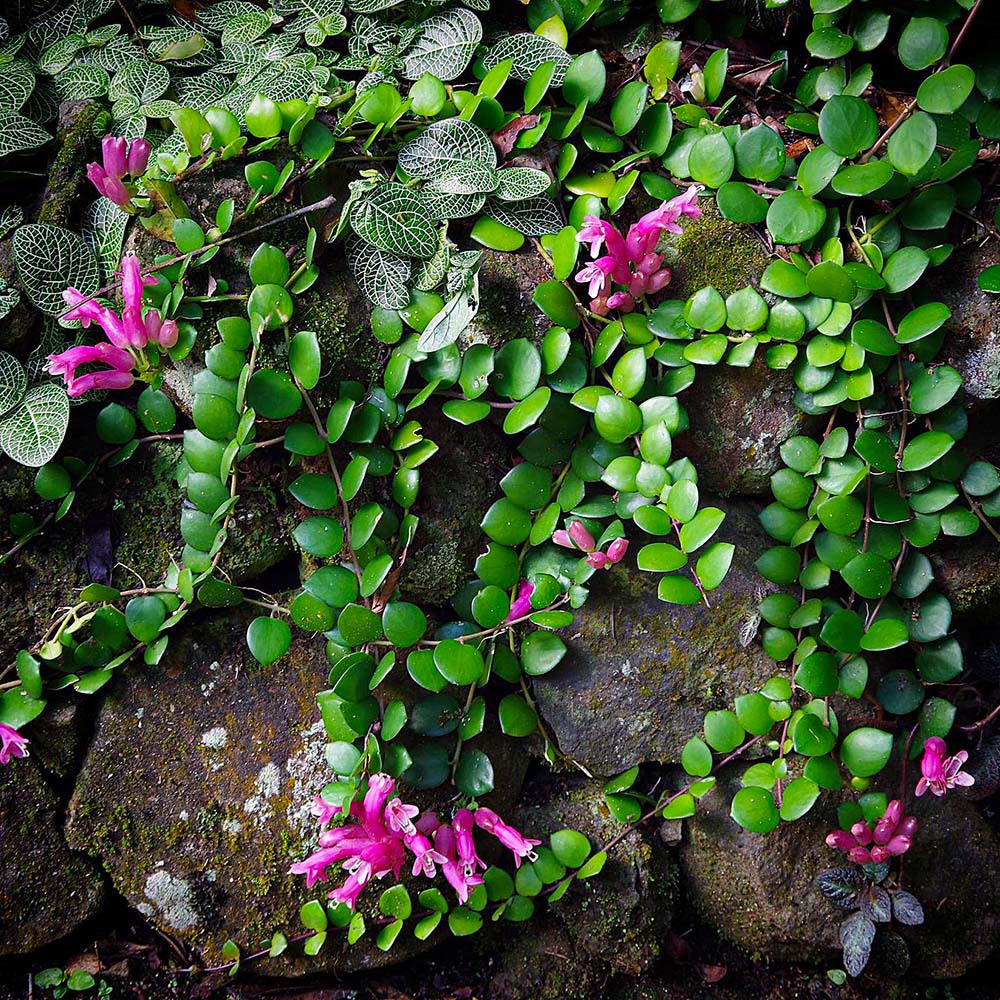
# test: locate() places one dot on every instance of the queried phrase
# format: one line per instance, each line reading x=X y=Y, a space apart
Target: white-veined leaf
x=10 y=218
x=144 y=81
x=394 y=219
x=13 y=382
x=453 y=206
x=60 y=54
x=103 y=231
x=533 y=216
x=50 y=259
x=16 y=84
x=32 y=432
x=443 y=144
x=465 y=177
x=372 y=6
x=518 y=183
x=527 y=52
x=18 y=133
x=78 y=83
x=431 y=272
x=381 y=276
x=444 y=46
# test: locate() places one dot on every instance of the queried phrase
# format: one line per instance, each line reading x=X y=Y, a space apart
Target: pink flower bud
x=862 y=832
x=113 y=153
x=115 y=190
x=893 y=812
x=168 y=334
x=907 y=827
x=582 y=538
x=562 y=538
x=884 y=829
x=617 y=550
x=860 y=855
x=621 y=300
x=880 y=854
x=898 y=845
x=658 y=281
x=637 y=286
x=138 y=157
x=841 y=840
x=598 y=560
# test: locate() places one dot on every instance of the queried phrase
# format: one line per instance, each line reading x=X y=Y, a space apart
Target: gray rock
x=195 y=795
x=640 y=674
x=46 y=890
x=739 y=418
x=973 y=341
x=760 y=893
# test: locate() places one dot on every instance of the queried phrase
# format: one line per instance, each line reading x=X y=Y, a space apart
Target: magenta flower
x=367 y=849
x=458 y=874
x=578 y=537
x=128 y=333
x=632 y=261
x=521 y=605
x=400 y=817
x=939 y=773
x=893 y=835
x=522 y=847
x=323 y=811
x=120 y=159
x=12 y=744
x=467 y=856
x=425 y=858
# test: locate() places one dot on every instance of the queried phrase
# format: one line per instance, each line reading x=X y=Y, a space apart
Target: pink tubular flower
x=892 y=835
x=521 y=846
x=466 y=846
x=367 y=849
x=940 y=773
x=12 y=744
x=598 y=274
x=128 y=333
x=632 y=261
x=459 y=877
x=400 y=817
x=120 y=159
x=323 y=811
x=521 y=605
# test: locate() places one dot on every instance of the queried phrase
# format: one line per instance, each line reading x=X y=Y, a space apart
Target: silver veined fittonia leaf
x=528 y=52
x=381 y=276
x=16 y=84
x=50 y=259
x=395 y=219
x=444 y=144
x=465 y=177
x=533 y=216
x=104 y=226
x=372 y=6
x=444 y=46
x=518 y=183
x=32 y=432
x=13 y=382
x=315 y=20
x=18 y=133
x=145 y=81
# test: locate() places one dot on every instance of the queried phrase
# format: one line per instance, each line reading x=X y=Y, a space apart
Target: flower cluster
x=386 y=829
x=121 y=159
x=893 y=834
x=12 y=744
x=128 y=333
x=631 y=261
x=578 y=537
x=938 y=773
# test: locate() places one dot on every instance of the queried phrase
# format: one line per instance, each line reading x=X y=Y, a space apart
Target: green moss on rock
x=714 y=251
x=46 y=891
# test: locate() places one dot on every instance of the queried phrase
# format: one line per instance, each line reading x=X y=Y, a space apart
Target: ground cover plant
x=234 y=166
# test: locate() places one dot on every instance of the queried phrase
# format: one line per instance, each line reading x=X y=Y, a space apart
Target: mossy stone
x=640 y=674
x=739 y=418
x=46 y=890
